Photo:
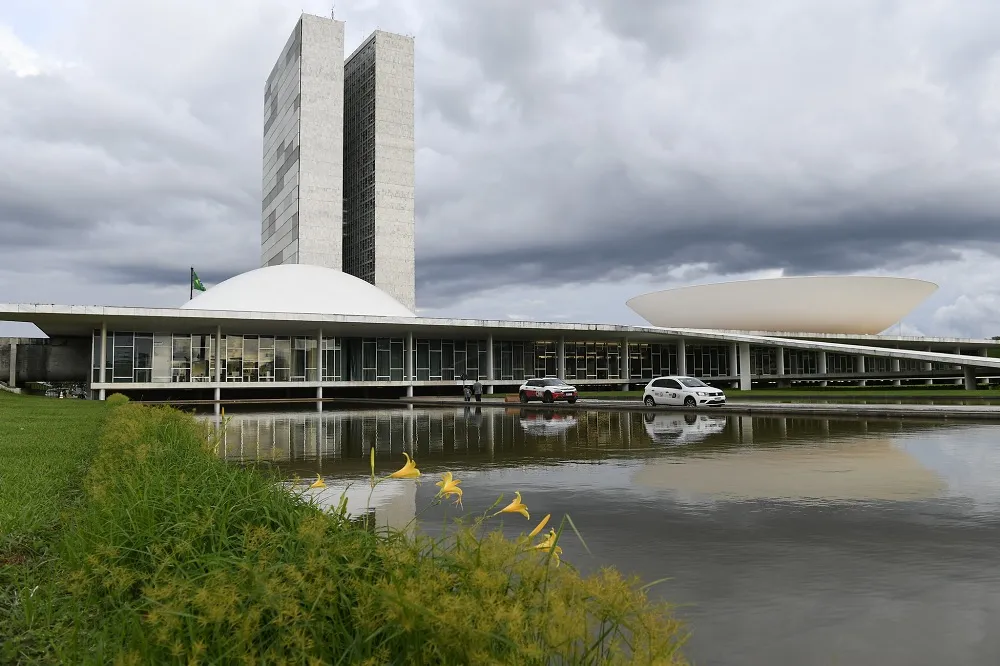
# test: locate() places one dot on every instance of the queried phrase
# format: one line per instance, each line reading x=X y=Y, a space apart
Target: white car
x=686 y=391
x=548 y=389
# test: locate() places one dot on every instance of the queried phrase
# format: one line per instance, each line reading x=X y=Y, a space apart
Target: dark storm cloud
x=568 y=141
x=654 y=251
x=750 y=140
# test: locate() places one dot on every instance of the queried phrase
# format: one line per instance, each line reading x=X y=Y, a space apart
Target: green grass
x=44 y=447
x=173 y=556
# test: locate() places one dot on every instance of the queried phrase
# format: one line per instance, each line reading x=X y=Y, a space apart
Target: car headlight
x=702 y=393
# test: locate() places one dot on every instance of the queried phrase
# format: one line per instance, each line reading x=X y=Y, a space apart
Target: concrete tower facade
x=379 y=170
x=339 y=156
x=303 y=176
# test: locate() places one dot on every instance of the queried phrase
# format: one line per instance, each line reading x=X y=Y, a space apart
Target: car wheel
x=571 y=401
x=690 y=401
x=524 y=397
x=547 y=397
x=649 y=401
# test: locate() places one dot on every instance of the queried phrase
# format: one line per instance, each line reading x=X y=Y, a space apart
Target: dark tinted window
x=551 y=382
x=693 y=383
x=671 y=383
x=659 y=383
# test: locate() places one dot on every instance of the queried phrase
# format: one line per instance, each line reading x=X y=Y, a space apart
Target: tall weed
x=177 y=557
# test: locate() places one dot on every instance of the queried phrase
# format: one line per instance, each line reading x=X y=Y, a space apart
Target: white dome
x=299 y=289
x=823 y=304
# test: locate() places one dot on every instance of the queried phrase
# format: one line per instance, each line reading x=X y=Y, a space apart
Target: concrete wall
x=46 y=360
x=321 y=142
x=395 y=153
x=280 y=174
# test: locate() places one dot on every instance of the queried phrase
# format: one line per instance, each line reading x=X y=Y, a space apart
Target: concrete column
x=779 y=365
x=561 y=357
x=969 y=378
x=319 y=371
x=929 y=367
x=219 y=360
x=489 y=363
x=821 y=366
x=102 y=375
x=13 y=362
x=745 y=384
x=681 y=357
x=410 y=366
x=960 y=380
x=220 y=354
x=623 y=364
x=895 y=368
x=859 y=369
x=734 y=362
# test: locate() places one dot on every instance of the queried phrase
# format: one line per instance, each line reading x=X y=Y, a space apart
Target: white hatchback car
x=548 y=389
x=686 y=391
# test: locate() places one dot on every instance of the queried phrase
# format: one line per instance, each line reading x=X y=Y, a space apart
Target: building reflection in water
x=309 y=442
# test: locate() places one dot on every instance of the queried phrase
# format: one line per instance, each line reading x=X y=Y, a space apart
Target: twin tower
x=339 y=155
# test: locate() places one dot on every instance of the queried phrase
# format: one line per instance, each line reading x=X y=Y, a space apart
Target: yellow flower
x=548 y=544
x=318 y=483
x=449 y=487
x=407 y=471
x=538 y=528
x=517 y=506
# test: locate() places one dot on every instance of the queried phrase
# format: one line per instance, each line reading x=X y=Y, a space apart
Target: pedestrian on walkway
x=477 y=389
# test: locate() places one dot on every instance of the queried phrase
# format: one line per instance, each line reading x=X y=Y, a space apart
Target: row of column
x=739 y=357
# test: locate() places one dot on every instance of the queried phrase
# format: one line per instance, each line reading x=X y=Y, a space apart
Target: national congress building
x=332 y=310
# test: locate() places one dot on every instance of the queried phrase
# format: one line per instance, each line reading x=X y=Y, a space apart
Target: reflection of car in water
x=673 y=428
x=545 y=423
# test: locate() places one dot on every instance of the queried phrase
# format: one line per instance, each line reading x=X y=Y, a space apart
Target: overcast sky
x=568 y=157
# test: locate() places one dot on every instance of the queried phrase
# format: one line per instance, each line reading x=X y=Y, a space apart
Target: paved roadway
x=976 y=412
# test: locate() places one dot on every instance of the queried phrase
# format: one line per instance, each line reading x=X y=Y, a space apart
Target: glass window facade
x=648 y=360
x=839 y=363
x=707 y=360
x=450 y=359
x=154 y=357
x=523 y=359
x=149 y=357
x=878 y=364
x=763 y=360
x=593 y=360
x=801 y=362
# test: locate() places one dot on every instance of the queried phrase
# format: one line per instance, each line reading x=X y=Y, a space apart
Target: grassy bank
x=173 y=556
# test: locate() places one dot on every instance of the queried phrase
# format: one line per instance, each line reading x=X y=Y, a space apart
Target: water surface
x=787 y=540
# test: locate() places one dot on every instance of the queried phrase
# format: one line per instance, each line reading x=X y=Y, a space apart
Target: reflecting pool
x=786 y=540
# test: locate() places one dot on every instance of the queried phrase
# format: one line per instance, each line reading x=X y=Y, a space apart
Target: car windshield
x=693 y=382
x=552 y=382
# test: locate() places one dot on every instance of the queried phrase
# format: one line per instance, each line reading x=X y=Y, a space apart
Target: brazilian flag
x=196 y=283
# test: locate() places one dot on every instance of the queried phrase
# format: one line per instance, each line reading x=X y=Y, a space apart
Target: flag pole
x=191 y=284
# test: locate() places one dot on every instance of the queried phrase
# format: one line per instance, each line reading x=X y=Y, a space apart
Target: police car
x=686 y=391
x=548 y=389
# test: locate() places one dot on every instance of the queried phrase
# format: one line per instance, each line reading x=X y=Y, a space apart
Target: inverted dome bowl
x=825 y=304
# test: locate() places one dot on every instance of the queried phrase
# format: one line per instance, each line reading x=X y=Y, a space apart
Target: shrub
x=177 y=556
x=116 y=399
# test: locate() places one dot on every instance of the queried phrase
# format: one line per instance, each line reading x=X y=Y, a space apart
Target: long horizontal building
x=296 y=330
